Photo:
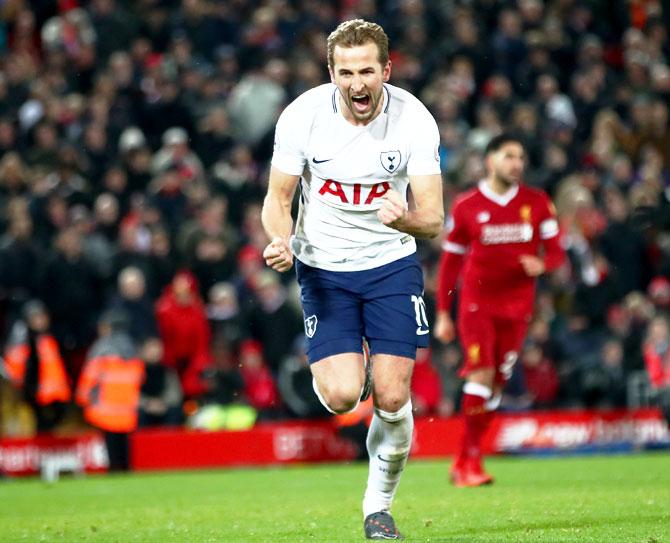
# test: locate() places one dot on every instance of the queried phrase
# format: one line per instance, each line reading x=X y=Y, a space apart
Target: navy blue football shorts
x=384 y=305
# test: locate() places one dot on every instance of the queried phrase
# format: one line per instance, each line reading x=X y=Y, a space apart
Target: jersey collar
x=500 y=199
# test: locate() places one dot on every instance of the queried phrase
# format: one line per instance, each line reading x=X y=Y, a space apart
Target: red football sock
x=477 y=420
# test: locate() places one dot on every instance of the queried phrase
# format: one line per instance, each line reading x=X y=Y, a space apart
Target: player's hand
x=533 y=265
x=278 y=256
x=393 y=209
x=444 y=328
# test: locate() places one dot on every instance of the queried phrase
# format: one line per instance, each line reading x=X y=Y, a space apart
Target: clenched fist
x=393 y=209
x=278 y=255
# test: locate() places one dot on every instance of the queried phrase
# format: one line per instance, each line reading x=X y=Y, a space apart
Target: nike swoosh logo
x=420 y=332
x=389 y=460
x=320 y=161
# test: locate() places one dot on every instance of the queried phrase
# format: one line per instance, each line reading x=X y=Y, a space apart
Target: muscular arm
x=277 y=220
x=427 y=218
x=276 y=214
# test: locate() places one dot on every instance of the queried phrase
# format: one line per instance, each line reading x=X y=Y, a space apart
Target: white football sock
x=389 y=441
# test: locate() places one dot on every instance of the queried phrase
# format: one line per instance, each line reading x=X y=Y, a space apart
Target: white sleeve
x=424 y=156
x=289 y=155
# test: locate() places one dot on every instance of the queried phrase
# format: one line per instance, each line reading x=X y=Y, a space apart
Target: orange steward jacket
x=109 y=386
x=52 y=381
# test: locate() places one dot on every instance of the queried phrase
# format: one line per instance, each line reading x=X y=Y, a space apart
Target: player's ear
x=488 y=161
x=386 y=72
x=332 y=74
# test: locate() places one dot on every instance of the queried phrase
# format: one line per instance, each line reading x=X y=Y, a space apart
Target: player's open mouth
x=361 y=102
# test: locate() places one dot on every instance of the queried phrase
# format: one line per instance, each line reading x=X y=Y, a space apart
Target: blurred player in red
x=501 y=235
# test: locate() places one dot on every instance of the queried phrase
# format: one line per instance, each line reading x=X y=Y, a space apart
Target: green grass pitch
x=601 y=499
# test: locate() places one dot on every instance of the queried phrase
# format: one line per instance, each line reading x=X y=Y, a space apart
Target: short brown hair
x=358 y=32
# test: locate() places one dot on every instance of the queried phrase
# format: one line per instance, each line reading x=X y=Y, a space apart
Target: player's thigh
x=391 y=379
x=510 y=335
x=477 y=335
x=332 y=314
x=394 y=312
x=339 y=377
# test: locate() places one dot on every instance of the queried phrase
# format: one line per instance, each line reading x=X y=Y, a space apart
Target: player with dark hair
x=353 y=147
x=501 y=236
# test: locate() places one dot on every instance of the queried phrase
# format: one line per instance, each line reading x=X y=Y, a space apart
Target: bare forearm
x=276 y=218
x=420 y=224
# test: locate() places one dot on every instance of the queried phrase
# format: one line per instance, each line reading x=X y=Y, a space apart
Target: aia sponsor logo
x=354 y=194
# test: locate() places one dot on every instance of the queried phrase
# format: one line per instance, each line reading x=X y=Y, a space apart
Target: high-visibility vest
x=52 y=381
x=109 y=391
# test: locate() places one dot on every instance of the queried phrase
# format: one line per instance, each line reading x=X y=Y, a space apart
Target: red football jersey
x=492 y=231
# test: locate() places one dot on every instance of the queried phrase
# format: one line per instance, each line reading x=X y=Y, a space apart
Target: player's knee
x=340 y=398
x=391 y=403
x=483 y=376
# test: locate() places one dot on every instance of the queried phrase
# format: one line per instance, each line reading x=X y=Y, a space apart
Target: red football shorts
x=490 y=342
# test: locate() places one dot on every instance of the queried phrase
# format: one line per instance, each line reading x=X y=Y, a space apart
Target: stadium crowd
x=135 y=138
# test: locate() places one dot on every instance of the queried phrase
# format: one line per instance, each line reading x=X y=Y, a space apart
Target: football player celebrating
x=353 y=146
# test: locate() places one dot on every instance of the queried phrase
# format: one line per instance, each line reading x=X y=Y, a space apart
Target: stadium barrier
x=556 y=432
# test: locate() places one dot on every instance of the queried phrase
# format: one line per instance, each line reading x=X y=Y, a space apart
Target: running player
x=495 y=234
x=353 y=147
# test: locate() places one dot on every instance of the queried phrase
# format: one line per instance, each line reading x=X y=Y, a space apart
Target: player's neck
x=499 y=186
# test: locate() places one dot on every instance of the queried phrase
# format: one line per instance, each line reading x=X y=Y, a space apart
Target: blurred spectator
x=185 y=332
x=603 y=380
x=623 y=245
x=295 y=384
x=34 y=365
x=659 y=293
x=109 y=387
x=20 y=261
x=225 y=315
x=235 y=175
x=260 y=388
x=539 y=375
x=160 y=395
x=257 y=100
x=136 y=158
x=214 y=138
x=131 y=297
x=206 y=242
x=273 y=321
x=114 y=28
x=426 y=386
x=97 y=249
x=176 y=154
x=224 y=379
x=250 y=264
x=72 y=291
x=657 y=361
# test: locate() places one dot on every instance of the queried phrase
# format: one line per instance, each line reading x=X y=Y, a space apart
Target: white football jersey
x=346 y=169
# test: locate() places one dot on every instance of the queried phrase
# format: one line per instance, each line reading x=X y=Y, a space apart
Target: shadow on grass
x=558 y=529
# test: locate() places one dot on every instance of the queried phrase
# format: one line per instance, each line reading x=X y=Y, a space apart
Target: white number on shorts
x=420 y=315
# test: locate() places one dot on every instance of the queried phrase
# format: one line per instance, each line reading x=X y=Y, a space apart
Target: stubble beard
x=374 y=103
